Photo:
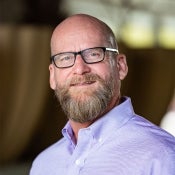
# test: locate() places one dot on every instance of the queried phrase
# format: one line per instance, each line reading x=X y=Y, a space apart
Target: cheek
x=103 y=70
x=56 y=77
x=61 y=78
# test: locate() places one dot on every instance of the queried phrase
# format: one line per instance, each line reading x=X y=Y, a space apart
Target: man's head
x=86 y=91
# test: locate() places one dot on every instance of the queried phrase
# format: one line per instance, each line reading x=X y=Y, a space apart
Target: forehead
x=76 y=35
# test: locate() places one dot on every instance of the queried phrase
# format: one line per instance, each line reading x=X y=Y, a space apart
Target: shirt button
x=100 y=140
x=77 y=162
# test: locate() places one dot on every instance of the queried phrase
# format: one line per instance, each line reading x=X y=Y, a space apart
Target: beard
x=86 y=105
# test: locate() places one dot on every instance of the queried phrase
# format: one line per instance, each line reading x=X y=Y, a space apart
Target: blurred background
x=30 y=116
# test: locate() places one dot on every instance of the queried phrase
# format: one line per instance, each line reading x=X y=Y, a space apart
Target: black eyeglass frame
x=52 y=58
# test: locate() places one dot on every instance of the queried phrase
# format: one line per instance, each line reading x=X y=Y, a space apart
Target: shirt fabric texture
x=119 y=143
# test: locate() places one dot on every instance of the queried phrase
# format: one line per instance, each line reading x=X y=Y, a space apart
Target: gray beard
x=92 y=106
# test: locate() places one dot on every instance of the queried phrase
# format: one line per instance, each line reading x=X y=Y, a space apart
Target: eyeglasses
x=90 y=56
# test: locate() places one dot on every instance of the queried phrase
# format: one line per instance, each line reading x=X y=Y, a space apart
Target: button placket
x=81 y=150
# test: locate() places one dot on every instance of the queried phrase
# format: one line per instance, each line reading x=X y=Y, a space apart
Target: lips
x=85 y=80
x=82 y=83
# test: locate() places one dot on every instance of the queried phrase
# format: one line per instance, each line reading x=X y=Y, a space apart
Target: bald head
x=79 y=32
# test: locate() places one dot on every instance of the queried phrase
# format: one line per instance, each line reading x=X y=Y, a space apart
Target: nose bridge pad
x=80 y=66
x=79 y=53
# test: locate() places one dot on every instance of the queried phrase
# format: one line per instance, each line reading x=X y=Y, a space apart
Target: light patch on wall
x=138 y=31
x=166 y=34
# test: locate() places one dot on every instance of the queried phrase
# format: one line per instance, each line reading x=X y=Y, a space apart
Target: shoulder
x=150 y=136
x=141 y=140
x=49 y=155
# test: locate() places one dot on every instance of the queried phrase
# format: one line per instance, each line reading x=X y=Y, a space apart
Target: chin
x=82 y=95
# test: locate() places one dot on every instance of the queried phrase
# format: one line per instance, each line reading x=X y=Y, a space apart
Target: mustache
x=84 y=78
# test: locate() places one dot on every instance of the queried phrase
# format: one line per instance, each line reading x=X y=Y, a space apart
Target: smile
x=82 y=83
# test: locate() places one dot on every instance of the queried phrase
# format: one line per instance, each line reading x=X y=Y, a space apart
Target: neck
x=77 y=126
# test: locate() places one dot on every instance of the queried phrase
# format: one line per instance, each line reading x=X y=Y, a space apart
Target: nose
x=80 y=67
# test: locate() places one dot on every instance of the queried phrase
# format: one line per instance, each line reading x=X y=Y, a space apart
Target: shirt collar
x=106 y=125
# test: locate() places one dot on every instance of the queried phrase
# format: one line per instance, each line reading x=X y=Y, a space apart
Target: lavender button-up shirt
x=119 y=143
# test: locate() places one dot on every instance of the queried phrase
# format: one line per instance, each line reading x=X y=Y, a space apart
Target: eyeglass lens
x=91 y=55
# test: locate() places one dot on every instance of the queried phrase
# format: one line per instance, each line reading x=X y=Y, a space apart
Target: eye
x=65 y=58
x=95 y=54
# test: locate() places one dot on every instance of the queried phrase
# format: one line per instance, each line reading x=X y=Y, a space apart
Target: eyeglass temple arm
x=113 y=50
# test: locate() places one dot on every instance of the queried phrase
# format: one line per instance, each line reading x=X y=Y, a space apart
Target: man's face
x=85 y=91
x=87 y=103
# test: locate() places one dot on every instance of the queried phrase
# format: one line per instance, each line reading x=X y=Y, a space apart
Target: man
x=103 y=135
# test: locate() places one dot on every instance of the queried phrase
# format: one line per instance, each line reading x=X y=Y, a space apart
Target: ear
x=122 y=66
x=52 y=77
